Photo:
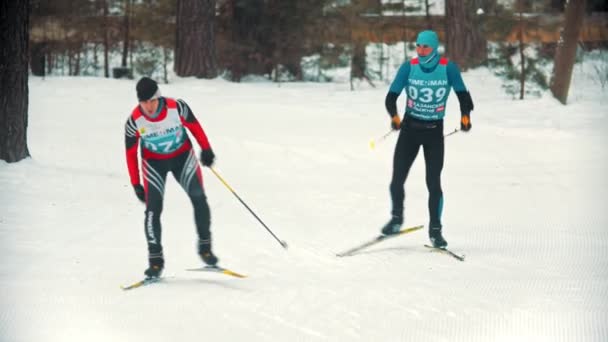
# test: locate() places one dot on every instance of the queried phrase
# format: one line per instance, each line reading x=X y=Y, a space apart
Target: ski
x=378 y=239
x=446 y=251
x=144 y=282
x=217 y=269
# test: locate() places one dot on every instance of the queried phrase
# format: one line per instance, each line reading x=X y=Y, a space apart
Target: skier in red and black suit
x=158 y=125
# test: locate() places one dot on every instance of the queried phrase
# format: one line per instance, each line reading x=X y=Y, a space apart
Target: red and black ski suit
x=166 y=147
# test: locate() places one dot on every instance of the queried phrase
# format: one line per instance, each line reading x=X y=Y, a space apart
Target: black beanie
x=146 y=88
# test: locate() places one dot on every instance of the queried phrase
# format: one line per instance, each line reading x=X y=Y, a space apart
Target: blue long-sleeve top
x=455 y=81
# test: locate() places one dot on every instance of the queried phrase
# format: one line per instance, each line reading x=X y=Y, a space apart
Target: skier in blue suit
x=427 y=81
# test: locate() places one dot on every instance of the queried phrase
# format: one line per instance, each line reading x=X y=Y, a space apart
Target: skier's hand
x=465 y=122
x=207 y=157
x=396 y=122
x=140 y=192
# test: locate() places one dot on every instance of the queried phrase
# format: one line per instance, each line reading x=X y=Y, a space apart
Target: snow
x=525 y=201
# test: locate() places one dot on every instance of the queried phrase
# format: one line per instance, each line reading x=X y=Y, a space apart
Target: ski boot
x=393 y=226
x=154 y=271
x=156 y=263
x=209 y=258
x=204 y=250
x=436 y=238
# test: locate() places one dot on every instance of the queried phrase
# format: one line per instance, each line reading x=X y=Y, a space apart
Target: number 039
x=426 y=94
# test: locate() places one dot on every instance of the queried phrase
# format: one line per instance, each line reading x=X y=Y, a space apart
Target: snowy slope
x=525 y=201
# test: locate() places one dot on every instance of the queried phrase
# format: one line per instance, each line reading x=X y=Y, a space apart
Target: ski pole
x=283 y=243
x=456 y=130
x=372 y=142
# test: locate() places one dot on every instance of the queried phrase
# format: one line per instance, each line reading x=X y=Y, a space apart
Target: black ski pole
x=456 y=130
x=372 y=142
x=283 y=243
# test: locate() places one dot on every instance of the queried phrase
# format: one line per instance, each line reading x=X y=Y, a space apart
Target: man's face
x=149 y=106
x=423 y=50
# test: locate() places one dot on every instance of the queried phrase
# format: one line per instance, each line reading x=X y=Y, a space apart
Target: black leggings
x=187 y=172
x=413 y=135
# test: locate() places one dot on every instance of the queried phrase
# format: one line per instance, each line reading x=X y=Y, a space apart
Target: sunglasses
x=424 y=46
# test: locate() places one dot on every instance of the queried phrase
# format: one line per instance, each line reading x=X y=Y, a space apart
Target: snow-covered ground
x=525 y=201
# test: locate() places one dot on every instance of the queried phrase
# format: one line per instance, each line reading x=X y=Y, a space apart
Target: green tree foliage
x=505 y=61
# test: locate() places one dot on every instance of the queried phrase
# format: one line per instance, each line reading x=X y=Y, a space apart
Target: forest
x=234 y=38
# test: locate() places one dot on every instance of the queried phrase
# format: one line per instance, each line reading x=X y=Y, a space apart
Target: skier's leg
x=434 y=151
x=188 y=173
x=155 y=174
x=403 y=158
x=433 y=157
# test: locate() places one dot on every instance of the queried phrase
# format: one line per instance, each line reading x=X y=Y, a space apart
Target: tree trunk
x=522 y=56
x=126 y=24
x=195 y=53
x=77 y=63
x=106 y=40
x=565 y=55
x=37 y=58
x=50 y=58
x=14 y=39
x=241 y=19
x=165 y=62
x=95 y=59
x=358 y=65
x=427 y=9
x=465 y=43
x=70 y=62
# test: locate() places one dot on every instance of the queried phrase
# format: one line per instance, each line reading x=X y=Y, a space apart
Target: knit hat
x=147 y=89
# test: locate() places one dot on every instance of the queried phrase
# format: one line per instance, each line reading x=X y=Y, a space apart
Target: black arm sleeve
x=391 y=103
x=466 y=103
x=184 y=110
x=131 y=137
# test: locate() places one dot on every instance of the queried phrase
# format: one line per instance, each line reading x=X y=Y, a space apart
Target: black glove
x=465 y=122
x=140 y=192
x=207 y=157
x=396 y=122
